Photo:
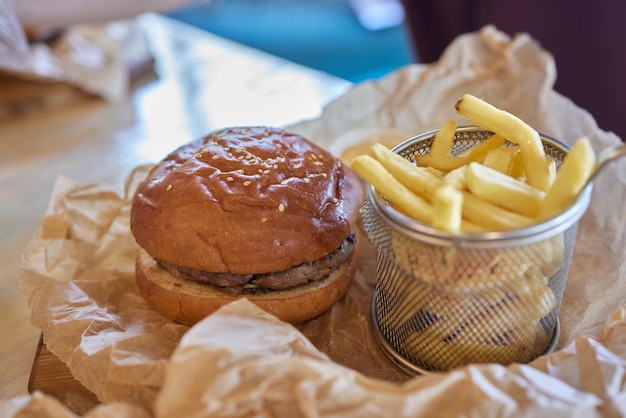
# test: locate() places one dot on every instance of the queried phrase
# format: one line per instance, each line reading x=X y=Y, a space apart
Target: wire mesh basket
x=446 y=300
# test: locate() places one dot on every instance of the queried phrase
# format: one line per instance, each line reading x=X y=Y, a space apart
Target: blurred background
x=352 y=39
x=366 y=39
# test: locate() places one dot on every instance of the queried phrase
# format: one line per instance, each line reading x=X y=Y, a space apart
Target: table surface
x=198 y=83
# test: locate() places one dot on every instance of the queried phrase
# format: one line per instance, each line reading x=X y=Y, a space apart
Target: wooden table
x=200 y=82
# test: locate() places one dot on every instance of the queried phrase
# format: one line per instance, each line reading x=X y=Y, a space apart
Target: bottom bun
x=189 y=302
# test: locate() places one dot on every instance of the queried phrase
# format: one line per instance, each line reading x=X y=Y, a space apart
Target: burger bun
x=188 y=302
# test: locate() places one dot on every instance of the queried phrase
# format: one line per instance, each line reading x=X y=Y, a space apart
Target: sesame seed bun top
x=244 y=201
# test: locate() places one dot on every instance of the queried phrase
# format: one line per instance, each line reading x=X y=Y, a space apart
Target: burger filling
x=258 y=283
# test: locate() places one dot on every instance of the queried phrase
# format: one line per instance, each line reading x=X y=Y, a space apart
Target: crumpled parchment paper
x=78 y=278
x=98 y=57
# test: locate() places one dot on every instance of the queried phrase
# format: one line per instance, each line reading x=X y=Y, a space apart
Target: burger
x=246 y=212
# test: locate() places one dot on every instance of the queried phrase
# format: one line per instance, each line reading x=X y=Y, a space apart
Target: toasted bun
x=245 y=201
x=188 y=302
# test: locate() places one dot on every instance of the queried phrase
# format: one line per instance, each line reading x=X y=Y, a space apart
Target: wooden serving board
x=52 y=377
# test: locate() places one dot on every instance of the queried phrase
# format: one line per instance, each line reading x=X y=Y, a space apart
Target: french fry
x=501 y=159
x=447 y=208
x=551 y=170
x=497 y=194
x=479 y=152
x=443 y=163
x=516 y=167
x=490 y=216
x=443 y=139
x=457 y=178
x=537 y=303
x=572 y=177
x=515 y=130
x=386 y=184
x=503 y=190
x=478 y=214
x=418 y=179
x=436 y=172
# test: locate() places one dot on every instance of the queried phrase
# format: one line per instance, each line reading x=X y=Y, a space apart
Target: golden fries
x=501 y=159
x=444 y=163
x=575 y=170
x=502 y=190
x=493 y=186
x=447 y=205
x=386 y=184
x=513 y=129
x=491 y=216
x=516 y=167
x=479 y=152
x=477 y=215
x=457 y=178
x=443 y=139
x=419 y=180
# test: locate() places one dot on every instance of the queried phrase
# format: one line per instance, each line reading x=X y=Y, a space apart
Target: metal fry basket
x=443 y=300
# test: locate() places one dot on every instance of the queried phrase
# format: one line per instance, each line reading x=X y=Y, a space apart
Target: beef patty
x=256 y=283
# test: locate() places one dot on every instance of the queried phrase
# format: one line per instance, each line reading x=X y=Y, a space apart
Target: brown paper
x=78 y=278
x=97 y=58
x=279 y=373
x=41 y=405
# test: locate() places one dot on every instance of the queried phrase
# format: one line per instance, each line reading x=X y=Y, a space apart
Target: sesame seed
x=198 y=155
x=281 y=208
x=275 y=166
x=263 y=219
x=229 y=178
x=169 y=187
x=240 y=157
x=246 y=183
x=240 y=171
x=215 y=157
x=318 y=163
x=324 y=175
x=266 y=172
x=335 y=200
